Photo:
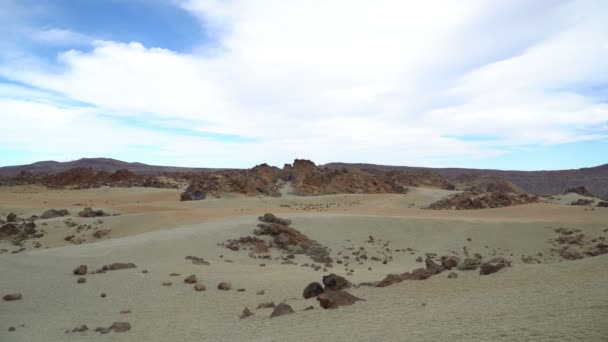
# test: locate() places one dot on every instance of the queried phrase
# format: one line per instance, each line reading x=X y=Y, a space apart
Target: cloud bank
x=394 y=82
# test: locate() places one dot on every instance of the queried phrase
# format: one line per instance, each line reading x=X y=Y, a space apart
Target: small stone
x=11 y=329
x=260 y=293
x=174 y=274
x=224 y=286
x=191 y=279
x=81 y=280
x=199 y=287
x=103 y=295
x=167 y=283
x=80 y=270
x=452 y=275
x=309 y=308
x=266 y=305
x=246 y=313
x=144 y=271
x=12 y=296
x=281 y=309
x=241 y=290
x=419 y=259
x=124 y=312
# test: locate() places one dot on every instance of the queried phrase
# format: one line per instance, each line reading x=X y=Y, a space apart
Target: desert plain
x=541 y=296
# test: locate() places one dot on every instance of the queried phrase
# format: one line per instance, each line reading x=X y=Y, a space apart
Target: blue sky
x=234 y=83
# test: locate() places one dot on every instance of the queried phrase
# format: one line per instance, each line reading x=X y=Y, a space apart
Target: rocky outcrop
x=485 y=183
x=260 y=180
x=89 y=212
x=473 y=200
x=583 y=202
x=469 y=264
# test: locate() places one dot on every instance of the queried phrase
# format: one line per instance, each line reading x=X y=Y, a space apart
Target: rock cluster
x=473 y=200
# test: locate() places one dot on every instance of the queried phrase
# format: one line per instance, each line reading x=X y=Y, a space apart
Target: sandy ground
x=553 y=300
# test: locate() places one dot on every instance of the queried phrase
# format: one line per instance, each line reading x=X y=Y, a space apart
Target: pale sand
x=565 y=301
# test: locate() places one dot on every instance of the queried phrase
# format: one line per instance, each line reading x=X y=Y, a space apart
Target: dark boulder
x=312 y=290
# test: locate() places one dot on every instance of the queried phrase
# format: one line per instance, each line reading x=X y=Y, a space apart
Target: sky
x=512 y=84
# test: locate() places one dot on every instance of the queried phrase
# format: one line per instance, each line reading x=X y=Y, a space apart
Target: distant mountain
x=535 y=182
x=99 y=164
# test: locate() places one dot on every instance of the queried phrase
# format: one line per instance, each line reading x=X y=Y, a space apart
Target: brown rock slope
x=473 y=200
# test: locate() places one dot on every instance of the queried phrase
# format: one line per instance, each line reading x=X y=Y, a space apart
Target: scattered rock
x=11 y=329
x=199 y=287
x=312 y=290
x=260 y=293
x=570 y=254
x=11 y=217
x=224 y=286
x=12 y=296
x=452 y=275
x=432 y=267
x=265 y=305
x=191 y=279
x=449 y=262
x=335 y=282
x=197 y=260
x=246 y=313
x=309 y=308
x=81 y=280
x=89 y=212
x=494 y=266
x=121 y=265
x=81 y=328
x=334 y=299
x=116 y=327
x=281 y=309
x=167 y=283
x=240 y=290
x=52 y=213
x=469 y=264
x=101 y=233
x=81 y=270
x=124 y=312
x=419 y=259
x=103 y=295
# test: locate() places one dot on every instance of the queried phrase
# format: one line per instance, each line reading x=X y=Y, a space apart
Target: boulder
x=281 y=309
x=334 y=299
x=81 y=270
x=335 y=282
x=494 y=266
x=312 y=290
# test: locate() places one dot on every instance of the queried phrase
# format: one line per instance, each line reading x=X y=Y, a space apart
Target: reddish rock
x=281 y=309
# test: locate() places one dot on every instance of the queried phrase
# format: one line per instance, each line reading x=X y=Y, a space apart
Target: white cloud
x=390 y=81
x=56 y=36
